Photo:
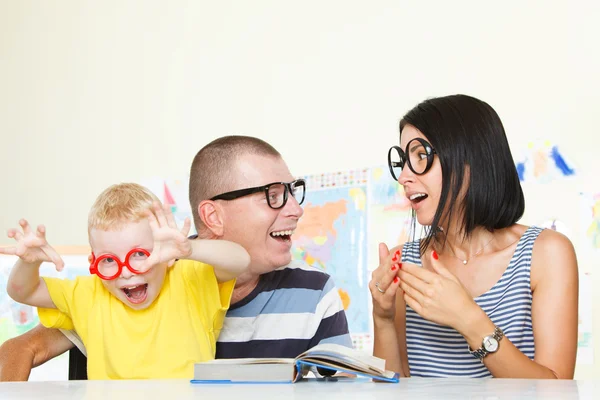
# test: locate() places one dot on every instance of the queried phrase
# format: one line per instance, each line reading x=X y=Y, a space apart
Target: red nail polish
x=397 y=254
x=435 y=255
x=394 y=267
x=395 y=258
x=396 y=280
x=399 y=265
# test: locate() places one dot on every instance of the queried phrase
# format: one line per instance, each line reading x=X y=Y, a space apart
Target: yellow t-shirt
x=180 y=328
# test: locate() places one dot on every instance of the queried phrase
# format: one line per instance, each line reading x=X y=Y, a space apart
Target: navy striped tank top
x=440 y=351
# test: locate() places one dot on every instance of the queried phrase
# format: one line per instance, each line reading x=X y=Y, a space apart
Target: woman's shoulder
x=538 y=237
x=546 y=241
x=553 y=256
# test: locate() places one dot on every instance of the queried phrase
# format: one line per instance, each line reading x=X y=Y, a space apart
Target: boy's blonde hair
x=120 y=204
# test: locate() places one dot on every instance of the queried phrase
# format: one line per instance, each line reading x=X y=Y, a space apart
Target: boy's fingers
x=145 y=266
x=56 y=260
x=160 y=215
x=54 y=257
x=25 y=225
x=41 y=231
x=186 y=227
x=152 y=220
x=60 y=264
x=170 y=217
x=9 y=251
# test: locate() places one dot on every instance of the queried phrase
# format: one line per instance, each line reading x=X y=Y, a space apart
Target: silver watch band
x=482 y=352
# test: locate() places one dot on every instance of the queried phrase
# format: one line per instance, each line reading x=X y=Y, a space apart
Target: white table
x=413 y=388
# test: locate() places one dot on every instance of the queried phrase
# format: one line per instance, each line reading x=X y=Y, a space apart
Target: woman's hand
x=384 y=283
x=437 y=295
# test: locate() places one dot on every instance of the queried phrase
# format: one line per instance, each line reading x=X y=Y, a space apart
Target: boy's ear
x=211 y=215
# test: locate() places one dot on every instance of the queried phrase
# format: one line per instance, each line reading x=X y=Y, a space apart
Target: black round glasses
x=418 y=155
x=276 y=193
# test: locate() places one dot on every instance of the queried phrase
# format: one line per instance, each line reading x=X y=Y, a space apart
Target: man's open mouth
x=284 y=236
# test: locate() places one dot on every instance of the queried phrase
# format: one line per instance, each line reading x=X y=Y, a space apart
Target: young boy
x=141 y=314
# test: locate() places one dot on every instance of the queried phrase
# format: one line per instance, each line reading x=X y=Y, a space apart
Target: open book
x=331 y=357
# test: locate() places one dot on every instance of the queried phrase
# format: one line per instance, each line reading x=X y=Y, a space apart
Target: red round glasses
x=109 y=266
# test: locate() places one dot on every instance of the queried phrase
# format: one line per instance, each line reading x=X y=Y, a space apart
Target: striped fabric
x=439 y=351
x=291 y=310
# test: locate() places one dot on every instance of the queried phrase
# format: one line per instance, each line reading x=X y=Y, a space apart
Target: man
x=241 y=190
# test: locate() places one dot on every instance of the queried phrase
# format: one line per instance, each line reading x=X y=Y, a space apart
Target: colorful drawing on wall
x=543 y=163
x=346 y=215
x=590 y=224
x=173 y=192
x=390 y=212
x=16 y=318
x=585 y=342
x=168 y=198
x=331 y=236
x=593 y=225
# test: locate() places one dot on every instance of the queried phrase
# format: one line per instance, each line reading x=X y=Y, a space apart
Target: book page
x=346 y=354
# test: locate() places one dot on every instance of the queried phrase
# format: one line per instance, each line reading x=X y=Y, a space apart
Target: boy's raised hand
x=170 y=243
x=32 y=246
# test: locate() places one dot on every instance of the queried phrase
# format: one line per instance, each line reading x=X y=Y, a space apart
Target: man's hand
x=170 y=243
x=32 y=246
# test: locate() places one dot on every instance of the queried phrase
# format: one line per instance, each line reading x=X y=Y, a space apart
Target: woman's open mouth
x=417 y=198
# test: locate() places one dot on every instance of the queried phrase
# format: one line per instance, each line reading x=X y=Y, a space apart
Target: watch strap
x=482 y=352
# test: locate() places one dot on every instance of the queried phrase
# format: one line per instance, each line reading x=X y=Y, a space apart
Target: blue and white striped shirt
x=291 y=310
x=440 y=351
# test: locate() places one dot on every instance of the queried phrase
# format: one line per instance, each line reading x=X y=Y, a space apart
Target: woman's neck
x=462 y=247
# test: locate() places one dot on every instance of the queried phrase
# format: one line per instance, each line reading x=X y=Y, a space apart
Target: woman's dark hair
x=468 y=135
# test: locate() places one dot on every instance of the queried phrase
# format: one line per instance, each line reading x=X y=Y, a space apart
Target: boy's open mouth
x=136 y=294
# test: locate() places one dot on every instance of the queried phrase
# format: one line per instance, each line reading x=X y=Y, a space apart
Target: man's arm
x=31 y=349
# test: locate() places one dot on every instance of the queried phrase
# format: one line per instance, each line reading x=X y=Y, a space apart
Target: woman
x=479 y=295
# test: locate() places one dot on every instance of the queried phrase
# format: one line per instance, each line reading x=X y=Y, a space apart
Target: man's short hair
x=214 y=165
x=119 y=205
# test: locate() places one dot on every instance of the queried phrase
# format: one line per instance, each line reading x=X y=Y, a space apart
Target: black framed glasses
x=276 y=193
x=418 y=155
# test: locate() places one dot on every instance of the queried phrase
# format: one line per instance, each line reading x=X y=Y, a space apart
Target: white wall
x=93 y=93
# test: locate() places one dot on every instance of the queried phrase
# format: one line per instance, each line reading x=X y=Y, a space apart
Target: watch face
x=490 y=344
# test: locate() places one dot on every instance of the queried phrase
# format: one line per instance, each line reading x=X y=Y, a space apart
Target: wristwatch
x=489 y=345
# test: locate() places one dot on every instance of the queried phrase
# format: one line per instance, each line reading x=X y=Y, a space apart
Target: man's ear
x=211 y=215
